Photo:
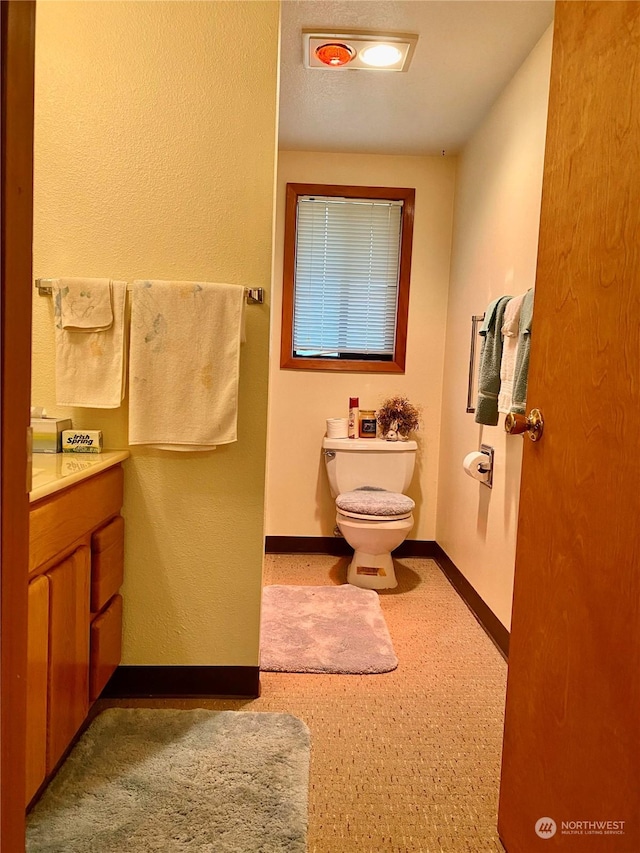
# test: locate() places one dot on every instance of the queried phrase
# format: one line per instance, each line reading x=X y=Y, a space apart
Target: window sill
x=289 y=363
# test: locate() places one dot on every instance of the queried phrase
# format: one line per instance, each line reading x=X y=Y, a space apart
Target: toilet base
x=372 y=571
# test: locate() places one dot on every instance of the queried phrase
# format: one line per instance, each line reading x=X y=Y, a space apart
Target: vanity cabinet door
x=37 y=662
x=68 y=651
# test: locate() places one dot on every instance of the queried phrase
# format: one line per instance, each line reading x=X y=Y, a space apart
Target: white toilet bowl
x=374 y=522
x=373 y=541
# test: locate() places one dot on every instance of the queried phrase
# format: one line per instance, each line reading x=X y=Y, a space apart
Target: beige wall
x=298 y=498
x=497 y=215
x=154 y=157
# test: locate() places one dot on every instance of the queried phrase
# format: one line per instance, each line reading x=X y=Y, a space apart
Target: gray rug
x=143 y=780
x=337 y=629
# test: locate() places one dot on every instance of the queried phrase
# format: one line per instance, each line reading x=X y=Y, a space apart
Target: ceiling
x=467 y=52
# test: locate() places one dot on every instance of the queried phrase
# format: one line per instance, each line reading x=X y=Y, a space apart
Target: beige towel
x=90 y=366
x=85 y=304
x=510 y=326
x=185 y=361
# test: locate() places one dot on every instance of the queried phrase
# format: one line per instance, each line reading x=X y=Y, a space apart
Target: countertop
x=52 y=472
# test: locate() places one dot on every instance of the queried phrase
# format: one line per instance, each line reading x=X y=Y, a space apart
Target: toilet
x=367 y=478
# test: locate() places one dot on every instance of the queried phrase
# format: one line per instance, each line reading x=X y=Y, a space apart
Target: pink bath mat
x=337 y=629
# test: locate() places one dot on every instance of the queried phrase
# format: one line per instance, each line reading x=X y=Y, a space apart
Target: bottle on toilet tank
x=354 y=405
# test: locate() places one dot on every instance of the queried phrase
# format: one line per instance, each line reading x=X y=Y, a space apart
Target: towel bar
x=254 y=295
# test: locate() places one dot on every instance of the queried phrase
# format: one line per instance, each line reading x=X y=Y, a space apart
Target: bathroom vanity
x=76 y=556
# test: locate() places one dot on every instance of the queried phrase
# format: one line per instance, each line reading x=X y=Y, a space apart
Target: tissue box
x=82 y=441
x=47 y=434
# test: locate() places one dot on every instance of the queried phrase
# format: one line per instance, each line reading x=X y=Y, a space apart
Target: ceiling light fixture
x=358 y=50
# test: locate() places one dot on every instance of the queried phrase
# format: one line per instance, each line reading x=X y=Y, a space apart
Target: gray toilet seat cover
x=371 y=501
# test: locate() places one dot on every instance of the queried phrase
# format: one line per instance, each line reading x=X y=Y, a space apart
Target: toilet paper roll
x=472 y=462
x=337 y=427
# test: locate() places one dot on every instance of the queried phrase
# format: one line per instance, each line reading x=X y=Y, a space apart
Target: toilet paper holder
x=488 y=450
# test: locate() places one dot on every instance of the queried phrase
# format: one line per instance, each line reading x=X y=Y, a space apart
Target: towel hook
x=255 y=295
x=44 y=286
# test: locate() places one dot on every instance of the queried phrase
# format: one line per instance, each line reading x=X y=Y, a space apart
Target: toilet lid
x=375 y=502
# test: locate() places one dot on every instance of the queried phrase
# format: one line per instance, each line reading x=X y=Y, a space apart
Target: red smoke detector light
x=335 y=54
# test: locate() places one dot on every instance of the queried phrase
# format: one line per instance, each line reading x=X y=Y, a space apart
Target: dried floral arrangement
x=398 y=417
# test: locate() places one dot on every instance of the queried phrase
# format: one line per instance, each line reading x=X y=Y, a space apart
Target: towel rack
x=253 y=295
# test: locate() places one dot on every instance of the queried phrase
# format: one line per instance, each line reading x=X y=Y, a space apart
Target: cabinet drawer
x=106 y=646
x=58 y=521
x=107 y=562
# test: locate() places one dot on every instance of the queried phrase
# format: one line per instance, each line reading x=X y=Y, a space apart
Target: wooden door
x=68 y=699
x=17 y=25
x=37 y=681
x=572 y=732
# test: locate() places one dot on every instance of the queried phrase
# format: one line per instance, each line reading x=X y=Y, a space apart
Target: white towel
x=510 y=327
x=90 y=366
x=85 y=304
x=185 y=364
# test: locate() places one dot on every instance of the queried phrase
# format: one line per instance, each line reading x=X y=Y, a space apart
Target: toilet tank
x=353 y=463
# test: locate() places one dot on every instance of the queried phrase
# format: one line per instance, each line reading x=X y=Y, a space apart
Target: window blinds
x=346 y=276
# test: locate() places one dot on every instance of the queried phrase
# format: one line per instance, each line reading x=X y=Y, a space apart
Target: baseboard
x=336 y=546
x=129 y=682
x=486 y=617
x=417 y=548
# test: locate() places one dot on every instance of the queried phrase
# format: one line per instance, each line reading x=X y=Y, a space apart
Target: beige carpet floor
x=406 y=761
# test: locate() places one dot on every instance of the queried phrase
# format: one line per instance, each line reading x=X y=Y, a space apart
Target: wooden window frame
x=397 y=364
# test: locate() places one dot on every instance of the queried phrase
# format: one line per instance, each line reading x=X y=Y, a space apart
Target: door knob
x=533 y=424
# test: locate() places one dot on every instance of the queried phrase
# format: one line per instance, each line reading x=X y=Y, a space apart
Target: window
x=347 y=265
